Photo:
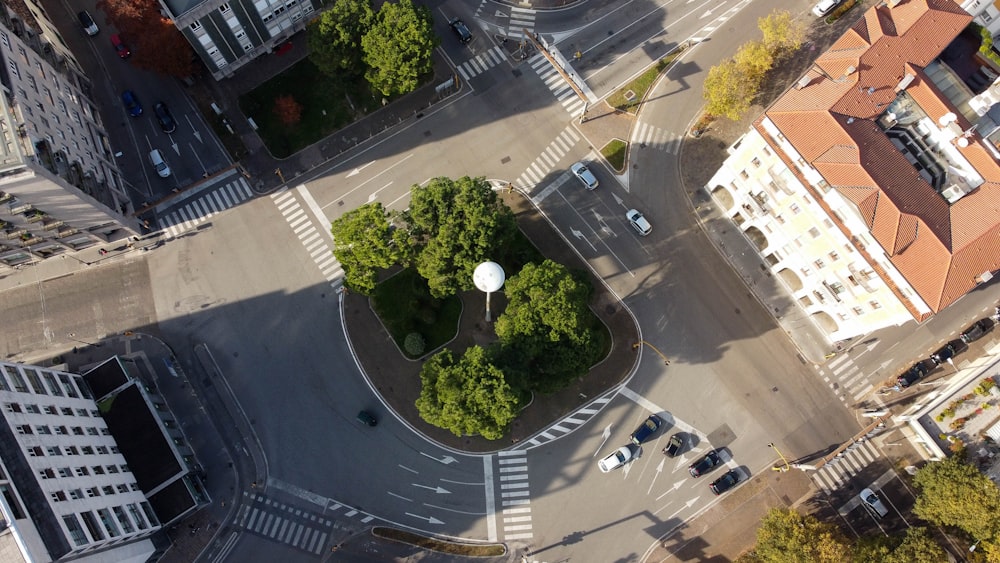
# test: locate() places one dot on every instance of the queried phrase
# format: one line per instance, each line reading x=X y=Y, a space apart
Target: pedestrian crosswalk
x=514 y=494
x=568 y=424
x=645 y=135
x=549 y=159
x=520 y=19
x=838 y=471
x=199 y=210
x=481 y=63
x=845 y=379
x=555 y=82
x=317 y=242
x=268 y=518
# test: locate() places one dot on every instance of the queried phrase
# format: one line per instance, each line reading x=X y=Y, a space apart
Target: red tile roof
x=939 y=249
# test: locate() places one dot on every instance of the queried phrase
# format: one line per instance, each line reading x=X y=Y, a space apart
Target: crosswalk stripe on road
x=835 y=473
x=514 y=494
x=303 y=225
x=199 y=210
x=649 y=135
x=520 y=18
x=554 y=81
x=481 y=63
x=301 y=529
x=548 y=159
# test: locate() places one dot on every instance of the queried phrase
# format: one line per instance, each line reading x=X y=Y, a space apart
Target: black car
x=726 y=482
x=461 y=30
x=915 y=373
x=949 y=351
x=166 y=120
x=364 y=417
x=648 y=427
x=977 y=330
x=705 y=463
x=674 y=445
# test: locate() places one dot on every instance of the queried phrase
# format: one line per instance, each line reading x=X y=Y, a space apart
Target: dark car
x=87 y=22
x=674 y=445
x=915 y=373
x=120 y=47
x=648 y=427
x=726 y=482
x=977 y=330
x=131 y=103
x=461 y=30
x=949 y=351
x=705 y=463
x=166 y=120
x=367 y=419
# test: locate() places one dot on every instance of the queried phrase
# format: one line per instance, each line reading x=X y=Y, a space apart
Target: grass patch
x=328 y=104
x=641 y=84
x=614 y=153
x=441 y=546
x=405 y=305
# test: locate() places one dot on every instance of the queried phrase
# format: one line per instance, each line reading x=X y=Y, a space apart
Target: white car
x=618 y=458
x=638 y=222
x=873 y=503
x=584 y=174
x=156 y=159
x=824 y=7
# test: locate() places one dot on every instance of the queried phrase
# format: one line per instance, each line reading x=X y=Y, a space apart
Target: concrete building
x=60 y=188
x=227 y=34
x=872 y=186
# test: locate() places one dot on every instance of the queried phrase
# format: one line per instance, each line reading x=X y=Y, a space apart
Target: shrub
x=984 y=386
x=414 y=344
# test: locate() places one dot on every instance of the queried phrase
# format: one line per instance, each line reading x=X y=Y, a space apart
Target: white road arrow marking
x=659 y=469
x=429 y=519
x=358 y=170
x=438 y=490
x=583 y=237
x=500 y=14
x=607 y=434
x=620 y=201
x=445 y=460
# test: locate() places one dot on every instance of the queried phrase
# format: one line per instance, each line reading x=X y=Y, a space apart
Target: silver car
x=873 y=503
x=638 y=222
x=585 y=176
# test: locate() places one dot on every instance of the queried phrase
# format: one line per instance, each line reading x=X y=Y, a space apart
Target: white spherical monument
x=488 y=277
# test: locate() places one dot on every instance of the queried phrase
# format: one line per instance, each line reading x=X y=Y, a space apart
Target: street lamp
x=666 y=360
x=783 y=468
x=488 y=277
x=974 y=546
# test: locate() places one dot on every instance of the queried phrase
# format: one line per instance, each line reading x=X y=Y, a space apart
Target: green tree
x=729 y=90
x=335 y=37
x=782 y=32
x=954 y=493
x=915 y=546
x=398 y=47
x=457 y=224
x=364 y=241
x=785 y=536
x=466 y=397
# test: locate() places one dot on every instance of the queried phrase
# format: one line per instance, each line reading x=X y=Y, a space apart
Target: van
x=156 y=159
x=88 y=23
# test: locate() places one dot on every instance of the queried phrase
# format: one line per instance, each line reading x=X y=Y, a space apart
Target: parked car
x=120 y=47
x=366 y=418
x=638 y=222
x=461 y=30
x=132 y=104
x=949 y=351
x=873 y=503
x=916 y=372
x=977 y=330
x=726 y=482
x=618 y=458
x=646 y=429
x=156 y=159
x=824 y=7
x=705 y=463
x=674 y=445
x=88 y=23
x=166 y=120
x=585 y=176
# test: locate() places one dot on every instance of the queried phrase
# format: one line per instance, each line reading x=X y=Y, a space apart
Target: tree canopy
x=782 y=32
x=364 y=242
x=157 y=44
x=398 y=47
x=334 y=37
x=954 y=493
x=468 y=396
x=729 y=89
x=785 y=536
x=914 y=546
x=456 y=225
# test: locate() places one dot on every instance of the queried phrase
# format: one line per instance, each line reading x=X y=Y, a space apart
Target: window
x=68 y=386
x=13 y=407
x=92 y=430
x=65 y=472
x=105 y=431
x=112 y=469
x=60 y=430
x=837 y=287
x=755 y=162
x=834 y=256
x=42 y=429
x=5 y=39
x=124 y=468
x=71 y=450
x=134 y=486
x=819 y=264
x=223 y=9
x=54 y=450
x=24 y=429
x=97 y=469
x=814 y=232
x=67 y=411
x=874 y=304
x=52 y=384
x=77 y=431
x=102 y=449
x=32 y=408
x=82 y=412
x=92 y=526
x=75 y=531
x=19 y=385
x=744 y=175
x=195 y=26
x=806 y=272
x=76 y=494
x=13 y=68
x=108 y=490
x=795 y=209
x=858 y=311
x=114 y=450
x=137 y=516
x=82 y=472
x=123 y=488
x=47 y=473
x=51 y=409
x=779 y=219
x=123 y=519
x=93 y=492
x=58 y=496
x=766 y=151
x=87 y=450
x=95 y=413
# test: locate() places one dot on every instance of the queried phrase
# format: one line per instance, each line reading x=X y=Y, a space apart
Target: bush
x=414 y=344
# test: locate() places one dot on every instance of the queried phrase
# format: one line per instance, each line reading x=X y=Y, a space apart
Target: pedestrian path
x=557 y=85
x=199 y=210
x=647 y=135
x=514 y=493
x=520 y=19
x=317 y=241
x=838 y=471
x=268 y=518
x=845 y=379
x=481 y=63
x=547 y=161
x=568 y=424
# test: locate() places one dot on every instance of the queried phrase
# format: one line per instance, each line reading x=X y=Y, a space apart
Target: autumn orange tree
x=157 y=43
x=288 y=110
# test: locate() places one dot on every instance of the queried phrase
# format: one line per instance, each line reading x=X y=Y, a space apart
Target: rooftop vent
x=906 y=81
x=803 y=82
x=953 y=192
x=850 y=70
x=894 y=3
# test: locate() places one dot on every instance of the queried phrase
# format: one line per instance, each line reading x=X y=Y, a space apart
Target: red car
x=120 y=46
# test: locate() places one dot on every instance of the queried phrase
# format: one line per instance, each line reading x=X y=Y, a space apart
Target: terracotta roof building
x=872 y=186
